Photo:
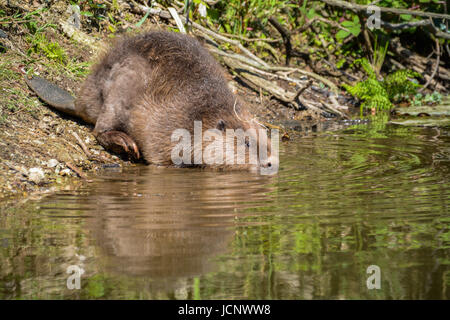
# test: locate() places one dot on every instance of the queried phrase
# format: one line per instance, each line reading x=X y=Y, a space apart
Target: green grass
x=52 y=50
x=44 y=49
x=13 y=97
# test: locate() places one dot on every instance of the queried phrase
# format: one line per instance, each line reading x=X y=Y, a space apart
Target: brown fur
x=147 y=86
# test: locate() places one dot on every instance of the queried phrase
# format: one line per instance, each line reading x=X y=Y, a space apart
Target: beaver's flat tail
x=56 y=97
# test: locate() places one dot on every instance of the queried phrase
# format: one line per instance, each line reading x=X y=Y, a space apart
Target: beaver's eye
x=221 y=125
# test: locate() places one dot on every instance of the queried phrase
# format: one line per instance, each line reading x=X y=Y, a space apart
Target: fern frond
x=365 y=64
x=378 y=102
x=379 y=94
x=398 y=84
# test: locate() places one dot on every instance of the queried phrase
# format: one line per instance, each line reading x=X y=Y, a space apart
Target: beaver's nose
x=270 y=164
x=267 y=164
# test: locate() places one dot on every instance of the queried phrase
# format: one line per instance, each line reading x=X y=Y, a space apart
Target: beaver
x=146 y=87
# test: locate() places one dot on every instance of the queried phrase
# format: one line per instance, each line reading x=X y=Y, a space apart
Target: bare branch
x=359 y=7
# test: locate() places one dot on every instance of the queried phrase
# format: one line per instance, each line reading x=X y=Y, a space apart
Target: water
x=342 y=201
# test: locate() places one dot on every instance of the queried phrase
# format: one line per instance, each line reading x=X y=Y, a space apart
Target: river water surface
x=341 y=202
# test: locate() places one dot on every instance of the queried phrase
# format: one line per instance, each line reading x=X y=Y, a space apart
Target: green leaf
x=355 y=30
x=406 y=17
x=342 y=34
x=341 y=63
x=348 y=24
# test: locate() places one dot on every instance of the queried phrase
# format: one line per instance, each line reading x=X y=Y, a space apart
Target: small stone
x=59 y=129
x=52 y=163
x=39 y=142
x=58 y=168
x=22 y=170
x=76 y=157
x=232 y=86
x=43 y=125
x=36 y=175
x=65 y=172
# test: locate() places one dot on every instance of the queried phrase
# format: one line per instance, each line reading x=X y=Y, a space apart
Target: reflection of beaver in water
x=146 y=87
x=167 y=225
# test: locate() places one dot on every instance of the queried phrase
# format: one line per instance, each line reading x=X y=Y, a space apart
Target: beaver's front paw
x=119 y=142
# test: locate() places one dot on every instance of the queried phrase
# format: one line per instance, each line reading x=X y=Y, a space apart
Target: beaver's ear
x=221 y=125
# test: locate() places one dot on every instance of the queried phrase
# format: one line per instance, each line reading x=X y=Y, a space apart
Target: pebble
x=52 y=163
x=22 y=170
x=65 y=172
x=59 y=129
x=39 y=142
x=36 y=175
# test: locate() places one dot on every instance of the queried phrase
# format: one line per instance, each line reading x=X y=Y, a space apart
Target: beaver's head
x=230 y=139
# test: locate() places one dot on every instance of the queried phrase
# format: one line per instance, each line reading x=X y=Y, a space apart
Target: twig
x=438 y=60
x=332 y=23
x=234 y=42
x=396 y=63
x=76 y=170
x=188 y=8
x=235 y=56
x=334 y=110
x=330 y=84
x=336 y=104
x=14 y=21
x=252 y=39
x=405 y=25
x=343 y=73
x=306 y=25
x=358 y=7
x=286 y=35
x=254 y=69
x=82 y=145
x=299 y=92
